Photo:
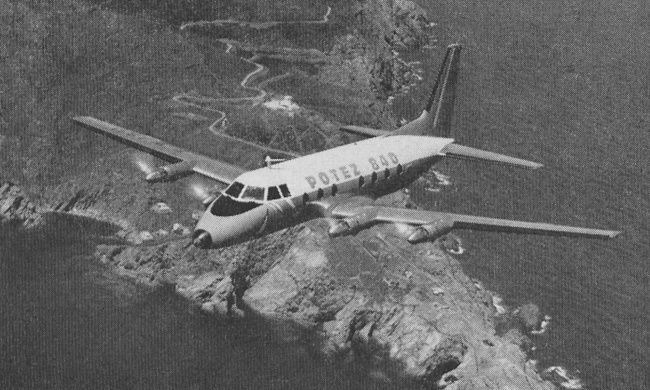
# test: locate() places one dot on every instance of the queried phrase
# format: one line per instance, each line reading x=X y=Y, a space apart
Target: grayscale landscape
x=101 y=287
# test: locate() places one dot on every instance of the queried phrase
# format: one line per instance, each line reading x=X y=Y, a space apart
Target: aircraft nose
x=202 y=239
x=214 y=231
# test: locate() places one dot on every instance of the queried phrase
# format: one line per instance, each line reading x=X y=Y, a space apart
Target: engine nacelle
x=431 y=232
x=171 y=172
x=352 y=224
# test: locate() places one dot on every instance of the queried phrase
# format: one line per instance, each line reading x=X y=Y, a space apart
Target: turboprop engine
x=171 y=172
x=431 y=231
x=352 y=224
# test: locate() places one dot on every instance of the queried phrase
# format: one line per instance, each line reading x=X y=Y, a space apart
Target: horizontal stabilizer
x=364 y=131
x=203 y=165
x=467 y=153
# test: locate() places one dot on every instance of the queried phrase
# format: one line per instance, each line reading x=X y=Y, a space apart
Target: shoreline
x=409 y=307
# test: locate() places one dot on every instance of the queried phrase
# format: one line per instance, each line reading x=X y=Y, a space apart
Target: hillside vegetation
x=125 y=61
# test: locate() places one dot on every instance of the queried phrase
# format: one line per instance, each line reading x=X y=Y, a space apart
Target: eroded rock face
x=15 y=208
x=371 y=295
x=391 y=26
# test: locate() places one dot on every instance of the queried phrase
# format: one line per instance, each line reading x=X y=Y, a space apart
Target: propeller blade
x=144 y=162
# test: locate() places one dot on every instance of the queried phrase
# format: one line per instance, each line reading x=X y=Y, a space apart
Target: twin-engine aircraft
x=340 y=183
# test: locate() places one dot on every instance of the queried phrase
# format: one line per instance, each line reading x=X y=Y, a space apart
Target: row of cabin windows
x=373 y=179
x=238 y=190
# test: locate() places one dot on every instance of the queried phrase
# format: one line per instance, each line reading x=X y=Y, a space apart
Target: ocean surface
x=565 y=83
x=69 y=322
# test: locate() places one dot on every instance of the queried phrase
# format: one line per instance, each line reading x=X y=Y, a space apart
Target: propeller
x=144 y=162
x=202 y=190
x=404 y=229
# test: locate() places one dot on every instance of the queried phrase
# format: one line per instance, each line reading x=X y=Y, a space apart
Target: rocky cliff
x=408 y=310
x=16 y=210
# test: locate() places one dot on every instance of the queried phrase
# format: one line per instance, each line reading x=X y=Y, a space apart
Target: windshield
x=235 y=189
x=273 y=193
x=225 y=206
x=285 y=191
x=255 y=193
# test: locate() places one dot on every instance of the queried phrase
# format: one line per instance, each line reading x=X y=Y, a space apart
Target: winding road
x=254 y=25
x=219 y=126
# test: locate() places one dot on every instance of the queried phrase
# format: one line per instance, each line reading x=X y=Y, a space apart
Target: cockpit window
x=285 y=190
x=273 y=194
x=255 y=193
x=235 y=189
x=225 y=206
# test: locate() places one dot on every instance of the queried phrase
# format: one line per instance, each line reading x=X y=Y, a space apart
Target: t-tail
x=436 y=116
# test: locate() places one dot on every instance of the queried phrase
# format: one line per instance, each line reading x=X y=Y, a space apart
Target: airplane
x=342 y=183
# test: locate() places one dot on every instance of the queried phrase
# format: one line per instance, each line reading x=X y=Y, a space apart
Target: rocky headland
x=16 y=210
x=409 y=311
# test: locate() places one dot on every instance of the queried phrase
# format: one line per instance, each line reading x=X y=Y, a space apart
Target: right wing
x=440 y=222
x=203 y=165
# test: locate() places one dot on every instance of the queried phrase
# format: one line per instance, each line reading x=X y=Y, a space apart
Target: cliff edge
x=16 y=210
x=409 y=311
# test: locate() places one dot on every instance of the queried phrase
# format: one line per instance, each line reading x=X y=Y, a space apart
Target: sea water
x=565 y=83
x=69 y=322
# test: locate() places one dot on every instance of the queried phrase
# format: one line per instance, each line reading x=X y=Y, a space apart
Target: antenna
x=269 y=161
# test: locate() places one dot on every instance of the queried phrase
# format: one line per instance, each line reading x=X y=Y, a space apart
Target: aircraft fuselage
x=372 y=168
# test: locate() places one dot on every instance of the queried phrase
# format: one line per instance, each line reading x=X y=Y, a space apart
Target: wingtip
x=614 y=234
x=78 y=118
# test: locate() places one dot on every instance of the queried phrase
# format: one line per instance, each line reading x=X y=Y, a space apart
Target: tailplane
x=436 y=117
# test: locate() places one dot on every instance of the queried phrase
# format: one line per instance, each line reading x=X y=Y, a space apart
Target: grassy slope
x=64 y=58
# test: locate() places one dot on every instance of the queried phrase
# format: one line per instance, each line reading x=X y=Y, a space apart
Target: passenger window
x=285 y=190
x=305 y=198
x=361 y=181
x=335 y=189
x=273 y=194
x=235 y=189
x=320 y=194
x=373 y=178
x=252 y=192
x=387 y=173
x=399 y=169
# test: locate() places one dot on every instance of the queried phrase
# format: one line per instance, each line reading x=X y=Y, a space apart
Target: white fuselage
x=287 y=193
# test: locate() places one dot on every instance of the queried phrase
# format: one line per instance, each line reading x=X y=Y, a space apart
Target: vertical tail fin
x=436 y=117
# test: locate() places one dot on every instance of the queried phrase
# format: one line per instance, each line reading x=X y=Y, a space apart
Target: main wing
x=197 y=163
x=452 y=150
x=433 y=224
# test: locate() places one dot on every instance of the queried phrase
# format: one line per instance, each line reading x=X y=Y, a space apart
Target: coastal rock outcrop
x=391 y=26
x=15 y=208
x=409 y=311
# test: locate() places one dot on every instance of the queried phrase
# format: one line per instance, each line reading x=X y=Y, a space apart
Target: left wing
x=181 y=159
x=433 y=224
